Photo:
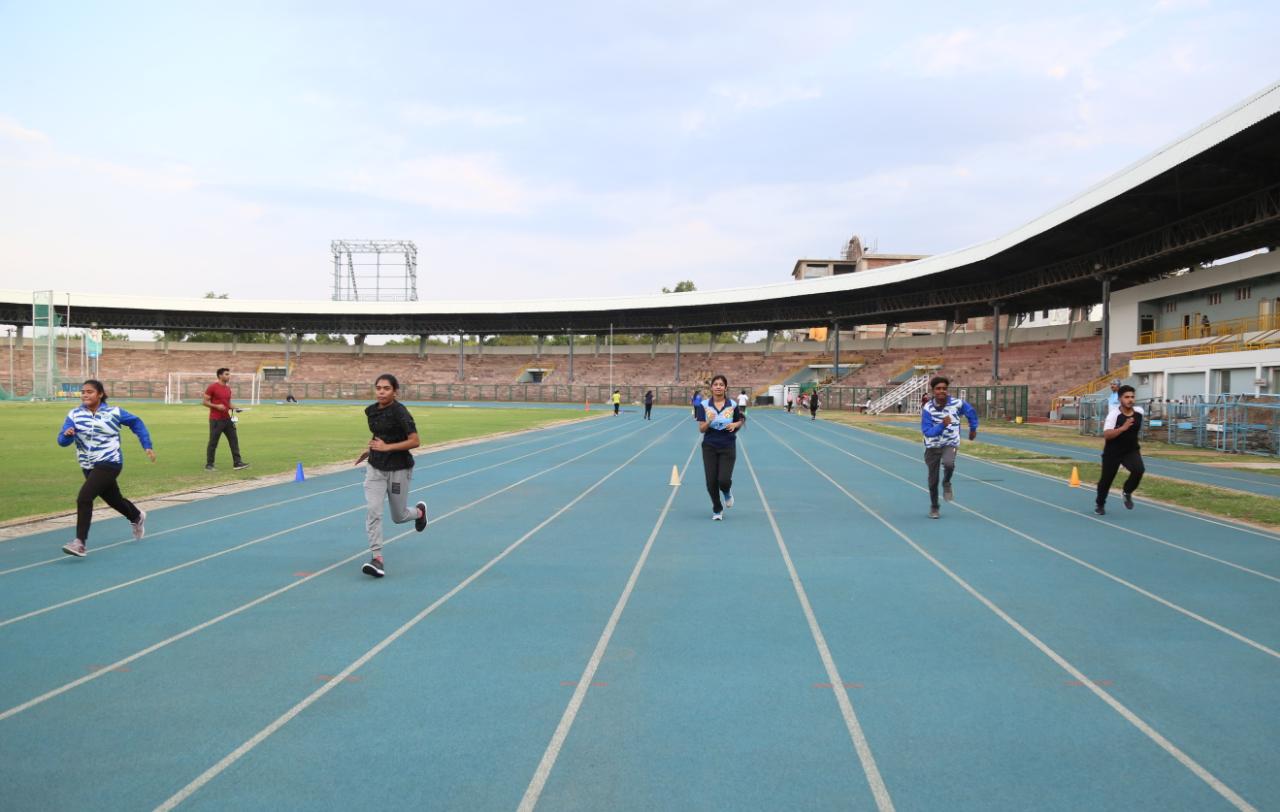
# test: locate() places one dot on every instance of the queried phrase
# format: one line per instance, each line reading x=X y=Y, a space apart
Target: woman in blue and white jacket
x=940 y=425
x=94 y=427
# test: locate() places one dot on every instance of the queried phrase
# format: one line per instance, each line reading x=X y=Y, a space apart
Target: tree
x=682 y=287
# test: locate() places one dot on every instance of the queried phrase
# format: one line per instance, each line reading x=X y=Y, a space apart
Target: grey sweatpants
x=392 y=486
x=935 y=457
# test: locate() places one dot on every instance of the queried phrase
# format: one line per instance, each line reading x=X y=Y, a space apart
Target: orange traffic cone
x=675 y=476
x=1075 y=477
x=586 y=405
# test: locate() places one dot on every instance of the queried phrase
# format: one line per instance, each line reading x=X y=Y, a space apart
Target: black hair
x=721 y=378
x=220 y=371
x=389 y=378
x=1125 y=388
x=96 y=384
x=937 y=379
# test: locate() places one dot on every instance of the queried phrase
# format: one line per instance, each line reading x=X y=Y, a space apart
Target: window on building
x=1215 y=298
x=1171 y=306
x=1243 y=293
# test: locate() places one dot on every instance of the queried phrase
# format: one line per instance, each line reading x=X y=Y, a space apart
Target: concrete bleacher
x=1046 y=367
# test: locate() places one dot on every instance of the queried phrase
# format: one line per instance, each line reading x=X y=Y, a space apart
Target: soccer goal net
x=185 y=387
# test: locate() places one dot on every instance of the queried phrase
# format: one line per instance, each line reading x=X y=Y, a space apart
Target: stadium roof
x=1213 y=193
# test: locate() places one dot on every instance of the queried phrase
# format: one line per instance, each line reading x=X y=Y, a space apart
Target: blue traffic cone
x=298 y=476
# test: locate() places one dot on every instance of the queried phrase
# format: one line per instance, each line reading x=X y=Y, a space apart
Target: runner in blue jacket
x=940 y=425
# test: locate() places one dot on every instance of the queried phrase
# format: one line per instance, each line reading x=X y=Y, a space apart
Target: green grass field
x=42 y=478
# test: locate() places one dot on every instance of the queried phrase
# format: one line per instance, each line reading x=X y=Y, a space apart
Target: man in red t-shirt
x=221 y=421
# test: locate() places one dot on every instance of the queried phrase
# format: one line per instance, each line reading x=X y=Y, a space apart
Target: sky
x=564 y=149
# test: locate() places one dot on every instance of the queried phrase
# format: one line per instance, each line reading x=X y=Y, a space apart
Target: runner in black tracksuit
x=719 y=418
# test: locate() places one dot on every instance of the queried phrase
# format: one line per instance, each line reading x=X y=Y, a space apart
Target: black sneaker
x=374 y=568
x=1100 y=510
x=947 y=493
x=1128 y=501
x=934 y=514
x=420 y=523
x=240 y=466
x=210 y=468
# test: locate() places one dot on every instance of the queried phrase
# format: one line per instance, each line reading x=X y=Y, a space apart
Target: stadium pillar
x=570 y=357
x=835 y=328
x=711 y=344
x=235 y=339
x=597 y=344
x=995 y=341
x=462 y=358
x=1106 y=324
x=1071 y=324
x=653 y=348
x=677 y=356
x=768 y=343
x=422 y=345
x=286 y=354
x=946 y=333
x=537 y=343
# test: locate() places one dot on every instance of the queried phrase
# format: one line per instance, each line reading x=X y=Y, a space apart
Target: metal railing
x=1220 y=329
x=1206 y=349
x=1231 y=423
x=908 y=392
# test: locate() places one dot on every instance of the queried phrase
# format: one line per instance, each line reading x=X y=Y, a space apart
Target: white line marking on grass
x=235 y=755
x=1169 y=747
x=857 y=430
x=1091 y=567
x=878 y=789
x=262 y=599
x=1089 y=517
x=96 y=550
x=252 y=542
x=549 y=756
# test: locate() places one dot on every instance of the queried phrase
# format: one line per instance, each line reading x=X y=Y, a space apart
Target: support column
x=677 y=379
x=835 y=327
x=653 y=349
x=711 y=344
x=298 y=349
x=479 y=345
x=422 y=346
x=597 y=344
x=570 y=357
x=360 y=337
x=462 y=358
x=286 y=355
x=768 y=343
x=889 y=330
x=995 y=342
x=1071 y=324
x=946 y=333
x=235 y=339
x=537 y=343
x=1106 y=324
x=1010 y=320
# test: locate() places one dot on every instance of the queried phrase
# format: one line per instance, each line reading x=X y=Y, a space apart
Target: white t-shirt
x=742 y=399
x=1113 y=417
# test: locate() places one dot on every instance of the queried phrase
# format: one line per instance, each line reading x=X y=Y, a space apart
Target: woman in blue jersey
x=94 y=427
x=719 y=418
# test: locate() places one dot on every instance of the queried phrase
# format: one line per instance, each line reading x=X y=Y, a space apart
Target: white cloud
x=763 y=97
x=430 y=115
x=13 y=131
x=1041 y=48
x=474 y=183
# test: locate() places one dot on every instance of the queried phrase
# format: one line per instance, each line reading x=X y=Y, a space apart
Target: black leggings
x=101 y=482
x=1111 y=466
x=718 y=465
x=648 y=411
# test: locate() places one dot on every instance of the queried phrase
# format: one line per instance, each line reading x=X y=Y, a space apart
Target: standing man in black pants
x=1121 y=448
x=813 y=404
x=217 y=396
x=648 y=405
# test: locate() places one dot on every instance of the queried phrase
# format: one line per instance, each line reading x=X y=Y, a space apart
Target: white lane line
x=878 y=789
x=854 y=430
x=98 y=549
x=1117 y=579
x=1169 y=747
x=1086 y=516
x=262 y=599
x=337 y=679
x=549 y=756
x=259 y=540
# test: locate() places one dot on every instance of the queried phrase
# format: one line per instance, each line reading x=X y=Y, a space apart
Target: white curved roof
x=1260 y=106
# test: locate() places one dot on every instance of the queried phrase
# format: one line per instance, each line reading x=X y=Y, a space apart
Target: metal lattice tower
x=375 y=271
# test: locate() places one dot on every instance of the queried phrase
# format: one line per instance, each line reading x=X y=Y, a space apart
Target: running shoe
x=210 y=468
x=76 y=548
x=1100 y=510
x=947 y=493
x=240 y=466
x=934 y=514
x=374 y=567
x=728 y=500
x=717 y=517
x=420 y=523
x=1128 y=501
x=139 y=529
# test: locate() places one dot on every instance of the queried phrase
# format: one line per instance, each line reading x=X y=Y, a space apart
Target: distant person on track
x=289 y=398
x=1121 y=448
x=217 y=398
x=742 y=400
x=390 y=470
x=94 y=427
x=696 y=401
x=940 y=425
x=719 y=419
x=813 y=405
x=791 y=402
x=1113 y=400
x=648 y=405
x=617 y=402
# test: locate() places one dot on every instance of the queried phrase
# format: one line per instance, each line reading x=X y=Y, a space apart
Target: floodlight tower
x=375 y=271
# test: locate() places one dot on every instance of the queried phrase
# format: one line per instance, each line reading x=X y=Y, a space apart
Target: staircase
x=910 y=392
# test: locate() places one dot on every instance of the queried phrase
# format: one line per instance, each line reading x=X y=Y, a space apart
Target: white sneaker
x=138 y=527
x=717 y=517
x=728 y=500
